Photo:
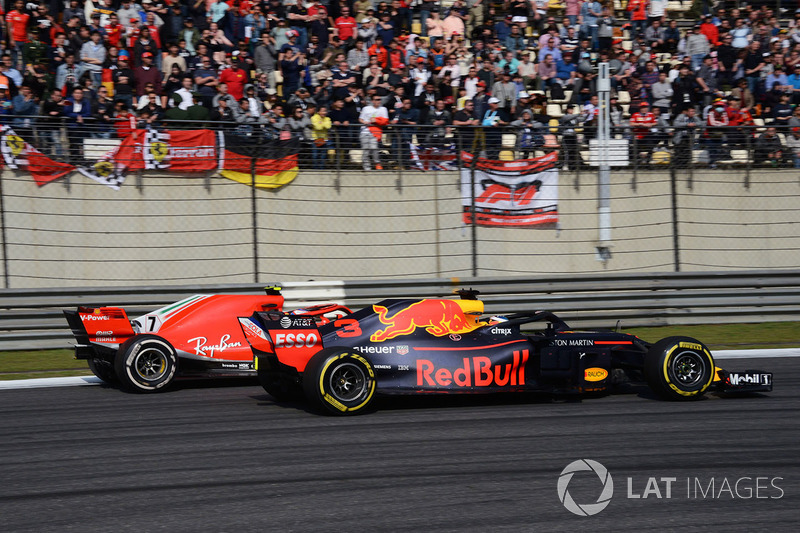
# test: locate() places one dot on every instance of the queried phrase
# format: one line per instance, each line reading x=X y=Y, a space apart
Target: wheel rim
x=151 y=364
x=347 y=382
x=688 y=369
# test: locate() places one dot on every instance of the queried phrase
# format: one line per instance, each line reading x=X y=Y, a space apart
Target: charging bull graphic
x=438 y=317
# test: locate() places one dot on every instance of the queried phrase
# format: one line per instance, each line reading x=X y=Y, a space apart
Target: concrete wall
x=179 y=230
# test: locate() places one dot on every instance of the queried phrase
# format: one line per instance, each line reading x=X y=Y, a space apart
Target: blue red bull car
x=446 y=346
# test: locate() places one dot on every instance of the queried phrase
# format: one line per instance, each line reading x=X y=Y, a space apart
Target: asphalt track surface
x=225 y=457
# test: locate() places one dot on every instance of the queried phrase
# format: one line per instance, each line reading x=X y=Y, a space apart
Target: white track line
x=91 y=380
x=756 y=354
x=49 y=382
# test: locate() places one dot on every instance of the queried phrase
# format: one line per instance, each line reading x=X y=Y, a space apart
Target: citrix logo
x=587 y=509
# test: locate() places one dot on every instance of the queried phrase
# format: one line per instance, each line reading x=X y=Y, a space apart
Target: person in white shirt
x=420 y=74
x=371 y=132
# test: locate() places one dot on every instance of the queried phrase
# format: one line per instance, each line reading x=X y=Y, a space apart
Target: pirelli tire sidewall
x=339 y=381
x=146 y=363
x=679 y=368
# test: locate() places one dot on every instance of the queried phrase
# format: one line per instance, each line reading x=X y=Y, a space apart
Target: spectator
x=17 y=24
x=321 y=125
x=440 y=119
x=372 y=118
x=266 y=57
x=68 y=74
x=53 y=110
x=716 y=123
x=545 y=73
x=173 y=59
x=358 y=57
x=34 y=51
x=206 y=80
x=128 y=12
x=662 y=93
x=685 y=125
x=235 y=78
x=292 y=68
x=6 y=108
x=77 y=110
x=300 y=125
x=793 y=145
x=605 y=30
x=346 y=26
x=25 y=107
x=506 y=93
x=434 y=25
x=184 y=94
x=590 y=12
x=93 y=55
x=697 y=46
x=123 y=81
x=103 y=114
x=145 y=74
x=768 y=148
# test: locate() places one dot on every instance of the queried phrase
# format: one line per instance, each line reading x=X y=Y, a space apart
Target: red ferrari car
x=199 y=336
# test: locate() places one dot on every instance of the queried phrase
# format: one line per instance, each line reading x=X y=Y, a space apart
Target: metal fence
x=33 y=319
x=341 y=223
x=431 y=147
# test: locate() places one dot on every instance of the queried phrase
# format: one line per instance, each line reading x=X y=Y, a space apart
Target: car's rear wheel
x=146 y=363
x=679 y=368
x=104 y=370
x=339 y=381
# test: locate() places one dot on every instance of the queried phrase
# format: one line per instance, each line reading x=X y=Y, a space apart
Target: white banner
x=511 y=193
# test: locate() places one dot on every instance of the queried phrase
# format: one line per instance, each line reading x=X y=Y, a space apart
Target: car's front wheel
x=339 y=381
x=679 y=368
x=146 y=363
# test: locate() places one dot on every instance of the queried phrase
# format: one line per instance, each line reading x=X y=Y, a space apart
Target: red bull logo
x=475 y=371
x=438 y=317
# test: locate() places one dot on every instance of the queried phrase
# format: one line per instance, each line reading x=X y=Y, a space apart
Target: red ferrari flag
x=44 y=170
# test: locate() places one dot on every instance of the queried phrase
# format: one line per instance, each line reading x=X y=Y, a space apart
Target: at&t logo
x=586 y=509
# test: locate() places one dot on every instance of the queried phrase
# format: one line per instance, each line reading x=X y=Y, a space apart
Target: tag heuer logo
x=402 y=349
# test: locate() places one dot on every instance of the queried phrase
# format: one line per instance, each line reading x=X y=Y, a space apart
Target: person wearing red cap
x=420 y=75
x=146 y=74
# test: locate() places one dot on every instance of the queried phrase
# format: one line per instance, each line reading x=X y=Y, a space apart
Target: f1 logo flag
x=510 y=193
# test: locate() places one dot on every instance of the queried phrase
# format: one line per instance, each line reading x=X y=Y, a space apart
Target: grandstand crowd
x=291 y=69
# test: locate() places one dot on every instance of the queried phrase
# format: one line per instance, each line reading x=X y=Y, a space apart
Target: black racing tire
x=281 y=387
x=103 y=370
x=146 y=363
x=339 y=381
x=679 y=368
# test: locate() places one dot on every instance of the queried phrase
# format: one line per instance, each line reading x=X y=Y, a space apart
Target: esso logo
x=296 y=340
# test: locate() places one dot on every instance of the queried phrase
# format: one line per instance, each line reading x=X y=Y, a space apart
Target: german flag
x=275 y=161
